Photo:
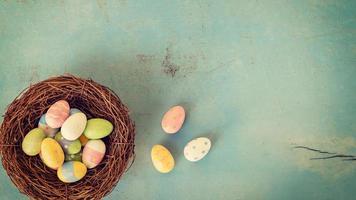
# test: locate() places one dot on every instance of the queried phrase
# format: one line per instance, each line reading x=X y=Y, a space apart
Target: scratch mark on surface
x=325 y=34
x=222 y=65
x=34 y=76
x=102 y=4
x=143 y=58
x=169 y=68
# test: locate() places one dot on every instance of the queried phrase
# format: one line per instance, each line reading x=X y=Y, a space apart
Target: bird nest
x=36 y=180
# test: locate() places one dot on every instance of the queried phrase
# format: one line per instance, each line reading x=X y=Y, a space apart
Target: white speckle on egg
x=197 y=149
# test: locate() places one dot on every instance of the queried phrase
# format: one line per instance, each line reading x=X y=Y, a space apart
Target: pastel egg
x=197 y=149
x=93 y=153
x=83 y=139
x=49 y=131
x=73 y=111
x=68 y=146
x=73 y=157
x=51 y=153
x=71 y=171
x=31 y=144
x=98 y=128
x=173 y=119
x=57 y=114
x=74 y=126
x=162 y=159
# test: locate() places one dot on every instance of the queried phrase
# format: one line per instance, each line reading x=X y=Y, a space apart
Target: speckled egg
x=197 y=149
x=73 y=157
x=74 y=126
x=31 y=144
x=98 y=128
x=162 y=159
x=93 y=153
x=69 y=147
x=173 y=119
x=57 y=114
x=49 y=131
x=51 y=153
x=71 y=171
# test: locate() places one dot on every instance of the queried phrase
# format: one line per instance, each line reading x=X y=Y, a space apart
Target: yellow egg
x=71 y=171
x=162 y=159
x=51 y=153
x=31 y=144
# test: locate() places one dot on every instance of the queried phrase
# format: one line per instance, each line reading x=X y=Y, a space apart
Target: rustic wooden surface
x=258 y=77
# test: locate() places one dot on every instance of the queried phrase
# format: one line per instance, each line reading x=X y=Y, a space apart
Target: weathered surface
x=256 y=77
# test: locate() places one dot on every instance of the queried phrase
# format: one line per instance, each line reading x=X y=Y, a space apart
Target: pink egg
x=173 y=119
x=93 y=153
x=57 y=114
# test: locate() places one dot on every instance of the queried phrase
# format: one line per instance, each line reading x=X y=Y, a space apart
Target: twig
x=347 y=157
x=335 y=156
x=316 y=150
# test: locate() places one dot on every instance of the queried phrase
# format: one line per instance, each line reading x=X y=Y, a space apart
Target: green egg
x=98 y=128
x=69 y=147
x=31 y=144
x=73 y=157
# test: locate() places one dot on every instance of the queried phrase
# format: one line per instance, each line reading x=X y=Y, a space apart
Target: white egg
x=74 y=126
x=196 y=149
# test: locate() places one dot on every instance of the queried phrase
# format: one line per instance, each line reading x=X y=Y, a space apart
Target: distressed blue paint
x=256 y=76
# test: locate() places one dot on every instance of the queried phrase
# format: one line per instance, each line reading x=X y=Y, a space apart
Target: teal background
x=257 y=77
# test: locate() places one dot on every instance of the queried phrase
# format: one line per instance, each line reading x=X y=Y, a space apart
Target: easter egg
x=73 y=157
x=49 y=131
x=73 y=111
x=68 y=146
x=197 y=149
x=57 y=114
x=173 y=119
x=71 y=171
x=31 y=144
x=74 y=126
x=51 y=153
x=162 y=159
x=83 y=139
x=98 y=128
x=93 y=153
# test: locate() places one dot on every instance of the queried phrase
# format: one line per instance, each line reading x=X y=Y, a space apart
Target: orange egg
x=83 y=139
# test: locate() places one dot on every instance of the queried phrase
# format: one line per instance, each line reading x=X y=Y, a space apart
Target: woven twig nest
x=30 y=175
